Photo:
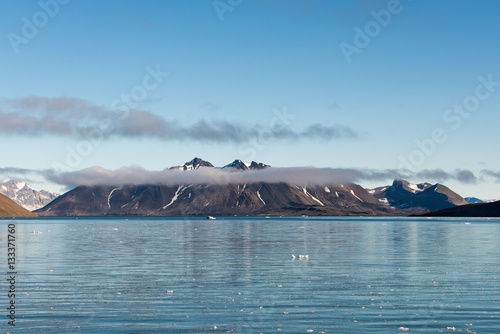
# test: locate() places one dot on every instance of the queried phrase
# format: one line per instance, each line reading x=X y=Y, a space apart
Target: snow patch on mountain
x=179 y=191
x=311 y=196
x=384 y=200
x=111 y=195
x=258 y=194
x=352 y=192
x=414 y=188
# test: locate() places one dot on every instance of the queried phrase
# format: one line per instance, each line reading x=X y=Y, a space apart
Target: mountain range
x=259 y=198
x=217 y=199
x=21 y=193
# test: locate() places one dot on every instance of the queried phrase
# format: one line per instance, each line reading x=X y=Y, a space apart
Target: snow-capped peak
x=238 y=164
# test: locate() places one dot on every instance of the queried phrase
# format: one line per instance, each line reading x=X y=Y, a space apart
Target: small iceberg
x=210 y=217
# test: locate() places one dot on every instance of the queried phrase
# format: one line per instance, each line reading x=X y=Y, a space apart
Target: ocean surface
x=238 y=275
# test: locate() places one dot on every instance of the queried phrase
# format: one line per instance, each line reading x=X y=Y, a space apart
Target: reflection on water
x=362 y=275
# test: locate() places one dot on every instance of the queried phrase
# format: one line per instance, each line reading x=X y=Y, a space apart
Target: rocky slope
x=10 y=209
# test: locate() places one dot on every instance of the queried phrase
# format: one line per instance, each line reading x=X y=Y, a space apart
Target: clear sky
x=364 y=84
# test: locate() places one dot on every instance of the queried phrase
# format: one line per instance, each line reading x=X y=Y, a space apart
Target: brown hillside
x=10 y=209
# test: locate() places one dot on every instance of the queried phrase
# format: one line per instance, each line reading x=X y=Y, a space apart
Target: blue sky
x=233 y=66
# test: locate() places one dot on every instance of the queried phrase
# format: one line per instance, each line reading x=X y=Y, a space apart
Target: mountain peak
x=193 y=164
x=15 y=184
x=240 y=165
x=258 y=165
x=473 y=200
x=237 y=164
x=410 y=187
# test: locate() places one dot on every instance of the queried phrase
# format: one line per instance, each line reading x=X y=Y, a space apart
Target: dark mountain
x=415 y=198
x=215 y=199
x=8 y=208
x=470 y=210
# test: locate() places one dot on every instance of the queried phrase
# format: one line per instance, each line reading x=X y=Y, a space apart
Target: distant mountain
x=470 y=210
x=214 y=199
x=258 y=198
x=414 y=198
x=473 y=200
x=21 y=193
x=8 y=208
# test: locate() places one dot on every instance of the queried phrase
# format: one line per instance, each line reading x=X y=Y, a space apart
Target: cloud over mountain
x=134 y=175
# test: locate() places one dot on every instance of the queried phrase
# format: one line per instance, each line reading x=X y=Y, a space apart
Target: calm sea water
x=237 y=275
